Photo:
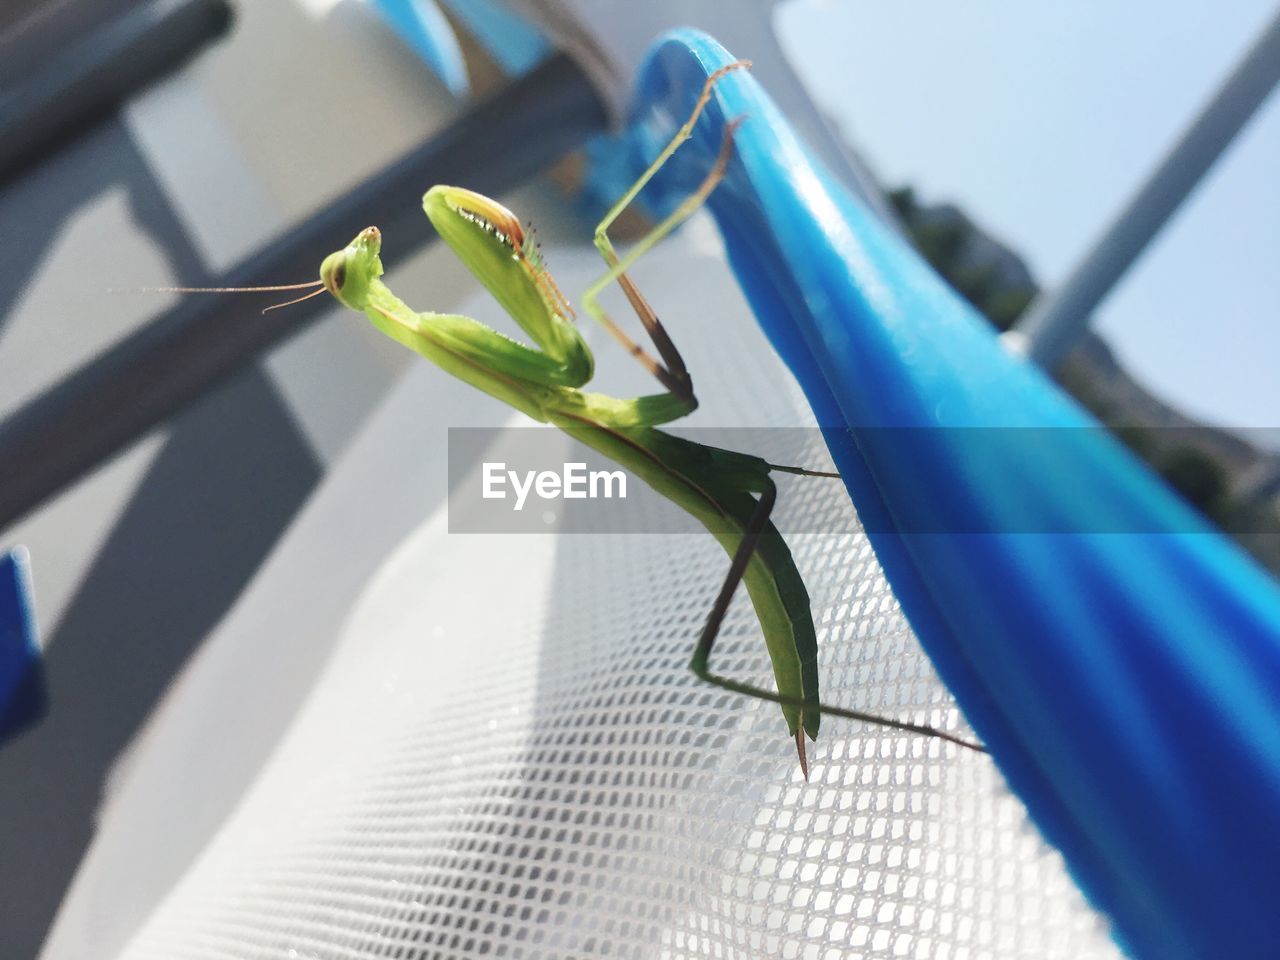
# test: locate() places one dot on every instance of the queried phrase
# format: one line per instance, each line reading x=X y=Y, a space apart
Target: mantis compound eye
x=333 y=272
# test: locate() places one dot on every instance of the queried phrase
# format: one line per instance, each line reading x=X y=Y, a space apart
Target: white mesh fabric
x=508 y=757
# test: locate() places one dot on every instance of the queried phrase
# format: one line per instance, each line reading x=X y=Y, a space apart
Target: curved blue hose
x=1119 y=657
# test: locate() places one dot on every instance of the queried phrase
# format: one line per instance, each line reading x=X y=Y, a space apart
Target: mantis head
x=348 y=273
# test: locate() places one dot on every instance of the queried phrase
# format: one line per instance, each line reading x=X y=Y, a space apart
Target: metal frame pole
x=1058 y=319
x=67 y=87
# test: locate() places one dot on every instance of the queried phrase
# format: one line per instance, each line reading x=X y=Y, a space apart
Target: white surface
x=505 y=751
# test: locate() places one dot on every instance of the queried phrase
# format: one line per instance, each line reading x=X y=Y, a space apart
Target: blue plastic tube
x=22 y=691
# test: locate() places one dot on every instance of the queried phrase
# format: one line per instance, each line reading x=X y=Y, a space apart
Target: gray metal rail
x=1059 y=317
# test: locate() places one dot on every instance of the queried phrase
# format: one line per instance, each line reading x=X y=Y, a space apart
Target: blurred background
x=1001 y=138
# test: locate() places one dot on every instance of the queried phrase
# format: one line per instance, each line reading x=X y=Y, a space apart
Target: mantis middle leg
x=671 y=372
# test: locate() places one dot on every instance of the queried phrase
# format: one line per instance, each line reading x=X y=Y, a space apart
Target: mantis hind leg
x=701 y=665
x=671 y=371
x=804 y=471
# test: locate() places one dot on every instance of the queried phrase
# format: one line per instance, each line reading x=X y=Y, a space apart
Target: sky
x=1040 y=120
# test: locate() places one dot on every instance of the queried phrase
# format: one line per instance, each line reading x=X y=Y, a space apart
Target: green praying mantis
x=731 y=494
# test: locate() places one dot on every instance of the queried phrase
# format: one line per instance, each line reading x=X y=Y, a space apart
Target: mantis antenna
x=274 y=288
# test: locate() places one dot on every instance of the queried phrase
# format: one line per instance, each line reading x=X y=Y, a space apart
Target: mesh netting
x=507 y=756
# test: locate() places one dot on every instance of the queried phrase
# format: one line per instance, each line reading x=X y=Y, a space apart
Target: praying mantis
x=731 y=494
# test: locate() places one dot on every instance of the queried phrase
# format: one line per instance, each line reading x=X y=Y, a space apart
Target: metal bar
x=132 y=387
x=72 y=85
x=1057 y=320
